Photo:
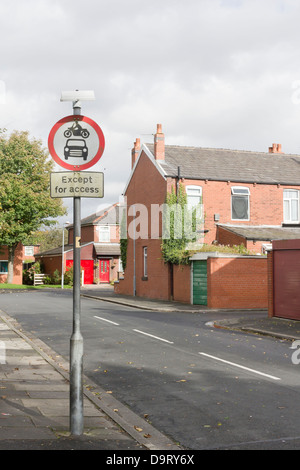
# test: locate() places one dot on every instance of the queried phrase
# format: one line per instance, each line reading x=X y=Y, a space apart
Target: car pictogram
x=76 y=148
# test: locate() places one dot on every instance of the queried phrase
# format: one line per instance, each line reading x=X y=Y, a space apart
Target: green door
x=200 y=282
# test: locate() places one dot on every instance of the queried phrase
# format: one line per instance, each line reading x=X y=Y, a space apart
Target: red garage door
x=88 y=266
x=286 y=280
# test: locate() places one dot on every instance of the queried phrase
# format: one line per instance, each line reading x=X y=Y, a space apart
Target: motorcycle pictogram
x=76 y=130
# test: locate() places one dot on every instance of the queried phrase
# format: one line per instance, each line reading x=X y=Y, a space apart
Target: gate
x=200 y=282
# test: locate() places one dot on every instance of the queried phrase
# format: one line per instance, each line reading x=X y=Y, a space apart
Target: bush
x=68 y=277
x=48 y=280
x=56 y=277
x=28 y=274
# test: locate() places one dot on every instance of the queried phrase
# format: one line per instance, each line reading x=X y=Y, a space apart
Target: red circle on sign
x=76 y=118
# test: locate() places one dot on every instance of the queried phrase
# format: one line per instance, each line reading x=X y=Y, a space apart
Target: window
x=194 y=195
x=104 y=234
x=240 y=203
x=29 y=251
x=3 y=267
x=290 y=206
x=145 y=261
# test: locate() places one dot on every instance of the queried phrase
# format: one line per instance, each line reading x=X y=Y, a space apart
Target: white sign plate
x=76 y=184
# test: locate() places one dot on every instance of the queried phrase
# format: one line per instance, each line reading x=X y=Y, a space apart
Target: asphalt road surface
x=204 y=387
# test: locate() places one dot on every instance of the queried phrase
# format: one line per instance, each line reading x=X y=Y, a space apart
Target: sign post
x=76 y=147
x=76 y=340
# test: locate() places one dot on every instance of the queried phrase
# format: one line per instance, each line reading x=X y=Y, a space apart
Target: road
x=206 y=388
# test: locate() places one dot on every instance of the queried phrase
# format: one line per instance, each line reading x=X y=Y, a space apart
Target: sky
x=214 y=73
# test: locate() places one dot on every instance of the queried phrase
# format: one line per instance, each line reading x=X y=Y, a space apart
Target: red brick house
x=100 y=248
x=24 y=257
x=249 y=198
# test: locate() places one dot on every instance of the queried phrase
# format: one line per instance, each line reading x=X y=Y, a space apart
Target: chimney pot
x=276 y=148
x=159 y=144
x=135 y=151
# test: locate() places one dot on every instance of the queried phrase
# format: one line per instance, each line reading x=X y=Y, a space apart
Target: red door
x=87 y=266
x=104 y=270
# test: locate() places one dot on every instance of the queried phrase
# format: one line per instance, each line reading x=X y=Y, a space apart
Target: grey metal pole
x=63 y=258
x=76 y=341
x=134 y=236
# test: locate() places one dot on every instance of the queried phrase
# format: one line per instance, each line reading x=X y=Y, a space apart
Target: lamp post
x=62 y=255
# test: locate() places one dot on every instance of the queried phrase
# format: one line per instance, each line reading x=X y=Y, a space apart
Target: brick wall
x=50 y=264
x=87 y=234
x=237 y=282
x=182 y=283
x=225 y=237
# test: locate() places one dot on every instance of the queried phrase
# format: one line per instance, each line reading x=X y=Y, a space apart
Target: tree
x=25 y=202
x=47 y=239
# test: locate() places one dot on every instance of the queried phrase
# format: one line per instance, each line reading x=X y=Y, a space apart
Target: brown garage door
x=287 y=283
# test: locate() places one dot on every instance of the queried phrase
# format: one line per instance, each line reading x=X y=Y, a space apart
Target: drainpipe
x=177 y=183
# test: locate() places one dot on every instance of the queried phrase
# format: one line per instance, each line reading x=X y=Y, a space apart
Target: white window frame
x=287 y=218
x=29 y=250
x=104 y=233
x=191 y=194
x=240 y=191
x=145 y=261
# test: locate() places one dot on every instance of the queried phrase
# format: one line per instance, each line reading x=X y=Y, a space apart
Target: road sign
x=76 y=184
x=76 y=142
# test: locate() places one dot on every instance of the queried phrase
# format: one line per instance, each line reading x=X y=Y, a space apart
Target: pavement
x=34 y=385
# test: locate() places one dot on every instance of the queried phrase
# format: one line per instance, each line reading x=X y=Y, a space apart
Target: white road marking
x=201 y=353
x=241 y=367
x=104 y=319
x=152 y=336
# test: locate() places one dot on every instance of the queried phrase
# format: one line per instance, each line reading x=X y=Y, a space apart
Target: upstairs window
x=240 y=206
x=29 y=251
x=104 y=233
x=290 y=206
x=194 y=196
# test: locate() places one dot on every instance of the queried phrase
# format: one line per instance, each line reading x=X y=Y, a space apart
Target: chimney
x=276 y=148
x=135 y=151
x=159 y=144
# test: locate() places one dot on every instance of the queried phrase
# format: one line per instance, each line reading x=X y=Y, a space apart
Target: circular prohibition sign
x=76 y=142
